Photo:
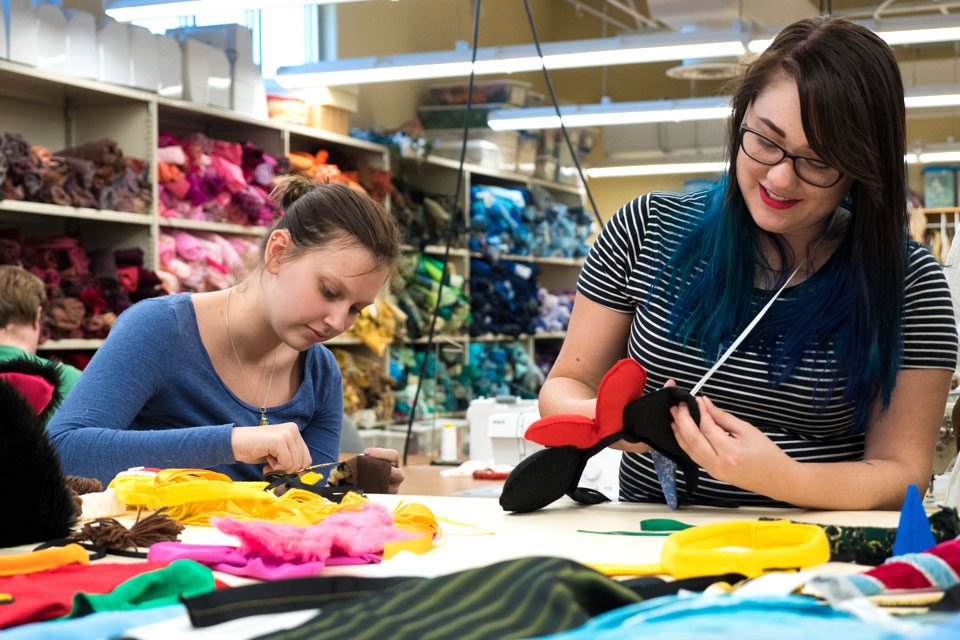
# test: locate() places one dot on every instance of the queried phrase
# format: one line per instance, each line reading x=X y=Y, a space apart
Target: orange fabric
x=168 y=172
x=43 y=560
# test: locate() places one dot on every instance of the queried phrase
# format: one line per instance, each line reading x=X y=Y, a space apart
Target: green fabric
x=160 y=588
x=873 y=545
x=523 y=598
x=68 y=375
x=663 y=524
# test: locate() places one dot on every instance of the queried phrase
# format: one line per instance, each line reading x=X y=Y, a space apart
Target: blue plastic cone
x=913 y=531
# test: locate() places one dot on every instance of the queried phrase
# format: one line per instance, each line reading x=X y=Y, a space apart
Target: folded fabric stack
x=526 y=223
x=200 y=261
x=406 y=142
x=377 y=183
x=214 y=180
x=366 y=386
x=415 y=289
x=504 y=297
x=378 y=324
x=95 y=175
x=555 y=310
x=504 y=369
x=545 y=354
x=446 y=388
x=85 y=291
x=425 y=219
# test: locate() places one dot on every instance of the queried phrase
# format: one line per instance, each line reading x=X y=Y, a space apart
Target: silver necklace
x=263 y=406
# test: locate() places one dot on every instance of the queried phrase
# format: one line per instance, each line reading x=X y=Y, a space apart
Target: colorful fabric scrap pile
x=198 y=261
x=503 y=297
x=86 y=291
x=95 y=175
x=215 y=180
x=505 y=220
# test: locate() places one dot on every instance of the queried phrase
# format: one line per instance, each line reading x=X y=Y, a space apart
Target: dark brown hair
x=317 y=215
x=851 y=105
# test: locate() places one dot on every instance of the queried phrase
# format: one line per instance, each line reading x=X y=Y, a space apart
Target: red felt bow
x=37 y=391
x=621 y=385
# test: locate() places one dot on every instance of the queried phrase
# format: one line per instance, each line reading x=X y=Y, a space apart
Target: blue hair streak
x=835 y=315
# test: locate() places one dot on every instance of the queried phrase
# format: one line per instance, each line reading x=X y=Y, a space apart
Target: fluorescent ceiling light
x=126 y=10
x=604 y=114
x=932 y=96
x=627 y=49
x=656 y=169
x=933 y=157
x=687 y=109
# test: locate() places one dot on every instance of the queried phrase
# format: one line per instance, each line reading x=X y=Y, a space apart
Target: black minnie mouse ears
x=623 y=413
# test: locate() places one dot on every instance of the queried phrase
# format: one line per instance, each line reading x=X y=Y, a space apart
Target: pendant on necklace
x=263 y=418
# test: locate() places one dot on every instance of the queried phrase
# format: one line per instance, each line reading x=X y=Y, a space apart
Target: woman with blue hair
x=834 y=400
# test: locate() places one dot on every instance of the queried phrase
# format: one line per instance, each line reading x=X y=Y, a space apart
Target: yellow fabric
x=777 y=545
x=43 y=560
x=196 y=495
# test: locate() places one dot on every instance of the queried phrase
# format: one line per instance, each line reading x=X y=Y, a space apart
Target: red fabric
x=949 y=552
x=35 y=389
x=562 y=429
x=899 y=575
x=49 y=594
x=621 y=385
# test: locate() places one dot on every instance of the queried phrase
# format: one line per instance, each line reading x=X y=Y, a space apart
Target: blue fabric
x=705 y=617
x=946 y=630
x=107 y=624
x=667 y=475
x=151 y=397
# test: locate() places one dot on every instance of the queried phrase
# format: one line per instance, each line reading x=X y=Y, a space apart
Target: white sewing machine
x=497 y=426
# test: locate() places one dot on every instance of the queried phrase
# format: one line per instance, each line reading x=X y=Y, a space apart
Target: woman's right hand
x=280 y=446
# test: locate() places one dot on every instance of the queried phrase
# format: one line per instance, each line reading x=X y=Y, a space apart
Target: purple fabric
x=230 y=560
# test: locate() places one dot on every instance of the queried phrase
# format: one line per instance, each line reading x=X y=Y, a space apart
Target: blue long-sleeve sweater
x=151 y=397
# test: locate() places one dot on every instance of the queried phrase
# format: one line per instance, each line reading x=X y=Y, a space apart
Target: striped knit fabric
x=523 y=598
x=619 y=273
x=936 y=568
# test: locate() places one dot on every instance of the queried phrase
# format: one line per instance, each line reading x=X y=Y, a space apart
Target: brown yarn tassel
x=80 y=486
x=84 y=485
x=109 y=533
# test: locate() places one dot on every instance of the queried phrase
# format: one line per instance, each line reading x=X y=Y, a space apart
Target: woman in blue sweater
x=237 y=380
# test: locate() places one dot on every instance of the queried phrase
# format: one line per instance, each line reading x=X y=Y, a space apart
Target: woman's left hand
x=728 y=448
x=393 y=457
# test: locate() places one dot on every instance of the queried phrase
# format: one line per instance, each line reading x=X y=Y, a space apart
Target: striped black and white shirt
x=619 y=271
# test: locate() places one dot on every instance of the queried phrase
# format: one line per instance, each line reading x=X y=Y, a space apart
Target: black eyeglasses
x=765 y=151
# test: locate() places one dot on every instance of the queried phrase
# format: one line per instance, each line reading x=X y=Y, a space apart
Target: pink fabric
x=230 y=151
x=166 y=248
x=345 y=533
x=177 y=188
x=232 y=560
x=172 y=155
x=231 y=173
x=188 y=247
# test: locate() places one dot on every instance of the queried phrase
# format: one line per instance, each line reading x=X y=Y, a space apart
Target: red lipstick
x=774 y=204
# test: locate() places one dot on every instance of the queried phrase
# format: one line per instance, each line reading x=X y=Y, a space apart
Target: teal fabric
x=708 y=617
x=107 y=624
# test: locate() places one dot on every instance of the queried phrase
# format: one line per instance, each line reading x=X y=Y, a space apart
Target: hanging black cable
x=556 y=107
x=451 y=229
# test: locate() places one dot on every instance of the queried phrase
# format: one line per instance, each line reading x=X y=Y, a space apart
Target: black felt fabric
x=647 y=419
x=28 y=460
x=547 y=475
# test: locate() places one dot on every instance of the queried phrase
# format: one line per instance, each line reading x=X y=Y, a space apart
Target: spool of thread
x=448 y=443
